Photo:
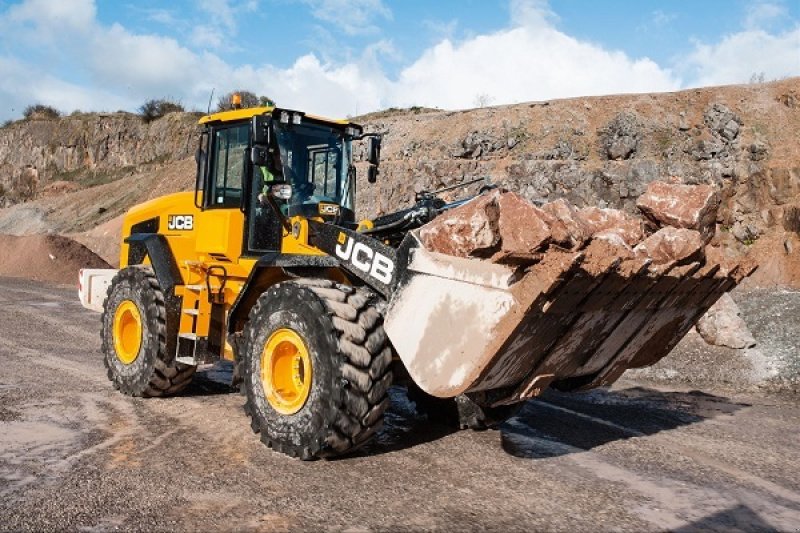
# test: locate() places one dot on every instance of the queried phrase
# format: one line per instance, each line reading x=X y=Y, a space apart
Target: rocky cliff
x=592 y=151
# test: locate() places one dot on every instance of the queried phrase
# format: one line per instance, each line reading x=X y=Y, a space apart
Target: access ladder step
x=199 y=287
x=186 y=352
x=192 y=312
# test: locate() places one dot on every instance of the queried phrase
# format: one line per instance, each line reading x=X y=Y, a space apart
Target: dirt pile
x=45 y=258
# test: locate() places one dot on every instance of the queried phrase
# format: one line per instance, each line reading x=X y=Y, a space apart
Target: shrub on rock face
x=40 y=111
x=155 y=109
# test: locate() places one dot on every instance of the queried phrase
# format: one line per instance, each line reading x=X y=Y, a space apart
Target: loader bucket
x=578 y=319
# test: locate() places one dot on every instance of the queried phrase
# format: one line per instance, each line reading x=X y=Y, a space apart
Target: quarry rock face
x=723 y=325
x=684 y=206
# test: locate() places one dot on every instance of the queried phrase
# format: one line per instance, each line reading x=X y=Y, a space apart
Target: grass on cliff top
x=394 y=111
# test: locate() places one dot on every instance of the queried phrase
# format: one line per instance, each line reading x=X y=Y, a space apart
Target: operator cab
x=275 y=164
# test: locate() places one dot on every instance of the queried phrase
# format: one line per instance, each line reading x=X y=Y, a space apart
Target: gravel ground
x=773 y=316
x=773 y=365
x=76 y=455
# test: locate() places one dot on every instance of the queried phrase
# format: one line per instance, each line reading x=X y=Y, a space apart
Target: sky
x=348 y=57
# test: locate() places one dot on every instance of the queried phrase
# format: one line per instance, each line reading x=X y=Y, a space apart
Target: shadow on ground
x=562 y=423
x=552 y=425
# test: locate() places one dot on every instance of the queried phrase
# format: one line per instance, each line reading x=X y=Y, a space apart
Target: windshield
x=315 y=161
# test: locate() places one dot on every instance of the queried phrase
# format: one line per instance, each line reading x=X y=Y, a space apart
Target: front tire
x=134 y=337
x=316 y=368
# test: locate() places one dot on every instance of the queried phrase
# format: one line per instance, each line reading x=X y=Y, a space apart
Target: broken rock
x=500 y=225
x=523 y=229
x=470 y=230
x=672 y=244
x=598 y=220
x=723 y=325
x=566 y=226
x=683 y=206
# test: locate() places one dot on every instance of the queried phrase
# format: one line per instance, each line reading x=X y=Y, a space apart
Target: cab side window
x=228 y=166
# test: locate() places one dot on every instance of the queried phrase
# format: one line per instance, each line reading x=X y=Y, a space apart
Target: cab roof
x=250 y=112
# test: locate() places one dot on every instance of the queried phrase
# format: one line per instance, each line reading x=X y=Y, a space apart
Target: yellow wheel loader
x=264 y=264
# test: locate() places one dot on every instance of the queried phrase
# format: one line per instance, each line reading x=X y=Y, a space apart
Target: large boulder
x=499 y=225
x=723 y=325
x=672 y=244
x=470 y=230
x=600 y=222
x=523 y=229
x=566 y=225
x=683 y=206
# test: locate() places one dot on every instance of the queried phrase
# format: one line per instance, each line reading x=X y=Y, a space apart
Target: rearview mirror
x=374 y=150
x=261 y=130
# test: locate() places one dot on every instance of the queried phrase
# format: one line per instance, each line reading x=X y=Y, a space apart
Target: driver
x=268 y=178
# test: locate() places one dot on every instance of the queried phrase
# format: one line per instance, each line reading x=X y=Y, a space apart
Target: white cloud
x=530 y=59
x=759 y=14
x=738 y=56
x=662 y=18
x=54 y=15
x=350 y=16
x=525 y=63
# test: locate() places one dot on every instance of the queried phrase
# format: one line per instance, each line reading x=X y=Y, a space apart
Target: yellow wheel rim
x=286 y=371
x=127 y=332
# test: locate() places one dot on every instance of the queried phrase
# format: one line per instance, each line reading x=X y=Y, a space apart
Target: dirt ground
x=76 y=455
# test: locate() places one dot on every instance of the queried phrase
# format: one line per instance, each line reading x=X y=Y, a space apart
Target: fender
x=156 y=247
x=270 y=269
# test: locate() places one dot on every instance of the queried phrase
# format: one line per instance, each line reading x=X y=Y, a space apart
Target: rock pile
x=505 y=228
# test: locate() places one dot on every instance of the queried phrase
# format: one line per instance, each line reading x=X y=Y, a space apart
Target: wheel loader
x=264 y=264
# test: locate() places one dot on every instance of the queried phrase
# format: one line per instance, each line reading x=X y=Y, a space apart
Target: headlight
x=282 y=191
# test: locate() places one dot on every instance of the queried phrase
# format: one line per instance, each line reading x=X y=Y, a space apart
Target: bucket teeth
x=601 y=317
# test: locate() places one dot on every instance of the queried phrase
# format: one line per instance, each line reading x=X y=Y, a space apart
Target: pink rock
x=672 y=244
x=598 y=220
x=468 y=230
x=523 y=227
x=722 y=325
x=500 y=225
x=683 y=206
x=566 y=227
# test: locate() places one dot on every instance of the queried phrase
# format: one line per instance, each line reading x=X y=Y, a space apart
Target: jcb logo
x=365 y=259
x=328 y=209
x=180 y=222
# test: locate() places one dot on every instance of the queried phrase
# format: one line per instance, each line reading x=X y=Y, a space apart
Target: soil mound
x=45 y=258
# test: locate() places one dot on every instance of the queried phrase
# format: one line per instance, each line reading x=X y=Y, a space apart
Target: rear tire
x=143 y=369
x=341 y=332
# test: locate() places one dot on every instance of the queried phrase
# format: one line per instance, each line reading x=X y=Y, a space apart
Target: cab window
x=228 y=166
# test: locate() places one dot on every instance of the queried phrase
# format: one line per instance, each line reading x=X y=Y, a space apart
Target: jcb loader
x=264 y=264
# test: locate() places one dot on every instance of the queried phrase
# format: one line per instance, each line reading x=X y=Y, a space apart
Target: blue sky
x=344 y=57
